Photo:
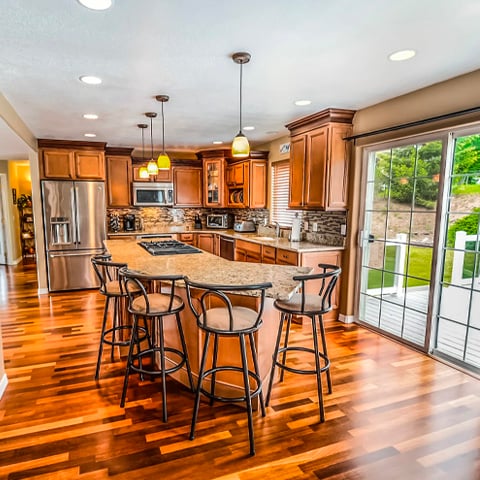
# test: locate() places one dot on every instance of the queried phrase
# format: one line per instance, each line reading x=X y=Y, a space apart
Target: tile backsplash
x=328 y=224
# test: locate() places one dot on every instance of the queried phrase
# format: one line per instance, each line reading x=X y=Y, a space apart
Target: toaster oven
x=220 y=220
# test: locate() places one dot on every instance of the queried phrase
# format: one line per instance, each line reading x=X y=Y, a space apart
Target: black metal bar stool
x=118 y=334
x=153 y=308
x=314 y=307
x=218 y=317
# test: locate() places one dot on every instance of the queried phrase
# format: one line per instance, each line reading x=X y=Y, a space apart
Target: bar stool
x=218 y=317
x=112 y=289
x=153 y=307
x=314 y=307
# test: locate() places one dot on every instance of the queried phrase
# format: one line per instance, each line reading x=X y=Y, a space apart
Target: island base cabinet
x=228 y=384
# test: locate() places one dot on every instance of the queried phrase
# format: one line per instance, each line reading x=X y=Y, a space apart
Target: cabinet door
x=119 y=181
x=187 y=186
x=213 y=187
x=286 y=257
x=188 y=238
x=258 y=185
x=336 y=194
x=57 y=164
x=297 y=165
x=205 y=241
x=89 y=165
x=316 y=168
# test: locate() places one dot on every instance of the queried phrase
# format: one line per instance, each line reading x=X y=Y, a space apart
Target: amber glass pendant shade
x=143 y=172
x=163 y=162
x=240 y=146
x=152 y=168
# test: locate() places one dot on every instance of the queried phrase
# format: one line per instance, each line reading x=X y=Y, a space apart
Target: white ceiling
x=334 y=53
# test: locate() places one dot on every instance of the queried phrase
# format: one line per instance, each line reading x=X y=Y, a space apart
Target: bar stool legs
x=322 y=362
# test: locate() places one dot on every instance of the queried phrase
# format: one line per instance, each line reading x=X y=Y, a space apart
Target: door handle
x=371 y=238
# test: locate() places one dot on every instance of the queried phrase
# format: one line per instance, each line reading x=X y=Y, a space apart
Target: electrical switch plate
x=315 y=227
x=305 y=225
x=343 y=229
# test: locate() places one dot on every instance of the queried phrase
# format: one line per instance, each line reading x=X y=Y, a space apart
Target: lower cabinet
x=248 y=251
x=206 y=242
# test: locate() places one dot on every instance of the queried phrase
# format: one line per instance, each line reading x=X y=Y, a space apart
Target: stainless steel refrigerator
x=74 y=220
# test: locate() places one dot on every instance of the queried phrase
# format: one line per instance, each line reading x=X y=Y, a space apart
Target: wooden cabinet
x=248 y=251
x=119 y=177
x=247 y=183
x=162 y=176
x=319 y=159
x=64 y=160
x=214 y=182
x=287 y=257
x=206 y=242
x=188 y=238
x=269 y=254
x=187 y=186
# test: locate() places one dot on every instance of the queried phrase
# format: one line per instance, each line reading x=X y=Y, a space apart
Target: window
x=280 y=191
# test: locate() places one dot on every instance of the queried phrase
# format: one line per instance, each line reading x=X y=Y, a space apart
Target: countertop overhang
x=207 y=268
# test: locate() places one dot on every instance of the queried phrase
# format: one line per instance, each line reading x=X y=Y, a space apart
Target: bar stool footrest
x=149 y=352
x=283 y=366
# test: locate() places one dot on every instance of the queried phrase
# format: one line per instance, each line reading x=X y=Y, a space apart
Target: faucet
x=277 y=229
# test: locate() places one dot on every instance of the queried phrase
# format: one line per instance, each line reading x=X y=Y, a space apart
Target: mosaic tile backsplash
x=329 y=224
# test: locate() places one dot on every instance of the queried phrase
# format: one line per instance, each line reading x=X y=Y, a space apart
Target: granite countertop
x=251 y=237
x=207 y=268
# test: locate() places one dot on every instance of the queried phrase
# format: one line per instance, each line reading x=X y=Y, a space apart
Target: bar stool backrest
x=211 y=298
x=107 y=273
x=328 y=275
x=139 y=284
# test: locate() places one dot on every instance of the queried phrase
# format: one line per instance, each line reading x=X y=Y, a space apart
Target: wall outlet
x=305 y=225
x=314 y=227
x=343 y=229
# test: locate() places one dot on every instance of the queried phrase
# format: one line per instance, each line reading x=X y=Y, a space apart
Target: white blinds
x=280 y=190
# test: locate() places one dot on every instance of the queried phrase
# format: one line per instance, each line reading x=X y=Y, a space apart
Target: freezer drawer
x=71 y=270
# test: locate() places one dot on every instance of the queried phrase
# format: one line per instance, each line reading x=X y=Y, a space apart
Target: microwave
x=152 y=194
x=220 y=220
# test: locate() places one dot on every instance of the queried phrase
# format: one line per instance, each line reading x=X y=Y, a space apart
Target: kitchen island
x=207 y=268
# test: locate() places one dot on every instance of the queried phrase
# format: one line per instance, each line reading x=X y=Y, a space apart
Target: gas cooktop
x=168 y=247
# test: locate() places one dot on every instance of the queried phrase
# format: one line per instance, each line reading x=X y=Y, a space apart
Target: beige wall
x=457 y=94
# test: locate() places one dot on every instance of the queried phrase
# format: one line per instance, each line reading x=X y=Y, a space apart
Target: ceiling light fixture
x=143 y=172
x=217 y=142
x=96 y=4
x=249 y=128
x=90 y=116
x=240 y=145
x=90 y=80
x=302 y=103
x=92 y=135
x=163 y=162
x=402 y=55
x=152 y=164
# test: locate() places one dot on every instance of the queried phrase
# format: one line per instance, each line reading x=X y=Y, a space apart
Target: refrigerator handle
x=77 y=218
x=72 y=207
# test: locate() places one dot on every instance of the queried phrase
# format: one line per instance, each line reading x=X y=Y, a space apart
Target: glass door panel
x=398 y=239
x=458 y=320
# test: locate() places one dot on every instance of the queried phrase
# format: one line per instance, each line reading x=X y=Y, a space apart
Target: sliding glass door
x=458 y=321
x=398 y=239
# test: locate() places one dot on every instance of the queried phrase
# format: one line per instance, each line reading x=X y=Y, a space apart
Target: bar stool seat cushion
x=313 y=304
x=113 y=288
x=219 y=319
x=159 y=303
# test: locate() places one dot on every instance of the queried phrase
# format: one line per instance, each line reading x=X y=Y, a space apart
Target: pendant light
x=143 y=172
x=152 y=164
x=240 y=145
x=163 y=162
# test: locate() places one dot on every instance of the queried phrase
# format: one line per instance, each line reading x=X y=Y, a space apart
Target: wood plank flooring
x=394 y=413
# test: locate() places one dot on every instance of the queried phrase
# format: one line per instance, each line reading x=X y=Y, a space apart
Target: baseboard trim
x=3 y=384
x=346 y=318
x=42 y=291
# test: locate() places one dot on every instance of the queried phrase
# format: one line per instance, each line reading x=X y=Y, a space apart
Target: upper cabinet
x=213 y=177
x=319 y=159
x=119 y=176
x=65 y=160
x=187 y=186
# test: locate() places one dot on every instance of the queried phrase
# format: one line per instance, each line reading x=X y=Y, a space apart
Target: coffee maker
x=129 y=222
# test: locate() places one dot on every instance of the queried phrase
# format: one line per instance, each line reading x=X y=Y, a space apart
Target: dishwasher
x=227 y=249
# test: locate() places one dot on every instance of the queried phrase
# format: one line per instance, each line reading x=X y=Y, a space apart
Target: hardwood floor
x=394 y=413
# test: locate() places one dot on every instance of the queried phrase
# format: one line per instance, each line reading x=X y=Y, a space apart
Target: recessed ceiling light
x=401 y=55
x=217 y=142
x=302 y=103
x=90 y=80
x=90 y=116
x=251 y=127
x=91 y=135
x=96 y=4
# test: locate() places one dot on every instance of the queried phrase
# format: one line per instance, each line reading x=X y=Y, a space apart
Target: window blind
x=280 y=192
